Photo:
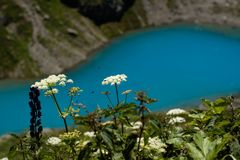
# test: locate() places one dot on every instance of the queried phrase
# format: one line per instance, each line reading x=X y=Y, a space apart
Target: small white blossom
x=136 y=125
x=62 y=83
x=107 y=123
x=117 y=79
x=51 y=92
x=52 y=80
x=177 y=120
x=43 y=87
x=176 y=111
x=69 y=81
x=153 y=144
x=4 y=158
x=62 y=76
x=90 y=134
x=54 y=140
x=85 y=143
x=127 y=91
x=156 y=144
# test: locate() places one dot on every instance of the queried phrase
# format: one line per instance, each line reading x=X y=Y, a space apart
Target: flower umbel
x=90 y=134
x=156 y=144
x=177 y=120
x=52 y=81
x=117 y=79
x=54 y=141
x=176 y=111
x=136 y=125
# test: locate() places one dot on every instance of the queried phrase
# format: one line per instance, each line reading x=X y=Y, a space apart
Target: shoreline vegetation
x=127 y=128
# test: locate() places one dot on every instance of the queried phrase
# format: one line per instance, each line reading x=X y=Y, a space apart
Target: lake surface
x=177 y=65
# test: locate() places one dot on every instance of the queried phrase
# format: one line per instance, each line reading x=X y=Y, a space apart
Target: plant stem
x=142 y=127
x=117 y=93
x=122 y=126
x=70 y=102
x=59 y=110
x=109 y=100
x=125 y=101
x=22 y=150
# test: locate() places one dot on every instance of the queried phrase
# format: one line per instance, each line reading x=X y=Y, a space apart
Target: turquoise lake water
x=177 y=65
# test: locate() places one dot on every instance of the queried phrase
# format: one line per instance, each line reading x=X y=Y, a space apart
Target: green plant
x=129 y=131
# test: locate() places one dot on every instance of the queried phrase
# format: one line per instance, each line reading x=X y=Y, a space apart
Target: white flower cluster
x=154 y=143
x=4 y=158
x=176 y=111
x=136 y=125
x=117 y=79
x=90 y=134
x=52 y=81
x=177 y=120
x=54 y=141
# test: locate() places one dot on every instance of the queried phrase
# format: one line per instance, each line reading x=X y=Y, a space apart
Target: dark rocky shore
x=43 y=37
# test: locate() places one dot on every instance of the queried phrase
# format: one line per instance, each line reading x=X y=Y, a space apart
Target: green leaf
x=130 y=144
x=107 y=139
x=233 y=158
x=14 y=135
x=118 y=156
x=85 y=152
x=219 y=109
x=176 y=142
x=194 y=152
x=154 y=124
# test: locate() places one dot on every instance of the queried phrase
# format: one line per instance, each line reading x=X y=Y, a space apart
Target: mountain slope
x=40 y=37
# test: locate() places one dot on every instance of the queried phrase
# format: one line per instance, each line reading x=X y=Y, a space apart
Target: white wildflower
x=107 y=123
x=176 y=111
x=156 y=144
x=69 y=81
x=117 y=79
x=90 y=134
x=177 y=120
x=85 y=143
x=127 y=91
x=62 y=76
x=62 y=83
x=4 y=158
x=63 y=80
x=52 y=81
x=51 y=92
x=54 y=140
x=136 y=125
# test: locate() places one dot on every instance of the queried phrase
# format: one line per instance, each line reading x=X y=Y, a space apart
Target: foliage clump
x=129 y=130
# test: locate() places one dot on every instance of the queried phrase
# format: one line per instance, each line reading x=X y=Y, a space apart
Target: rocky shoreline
x=54 y=50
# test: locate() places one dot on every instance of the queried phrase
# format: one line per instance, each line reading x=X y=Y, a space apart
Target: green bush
x=129 y=130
